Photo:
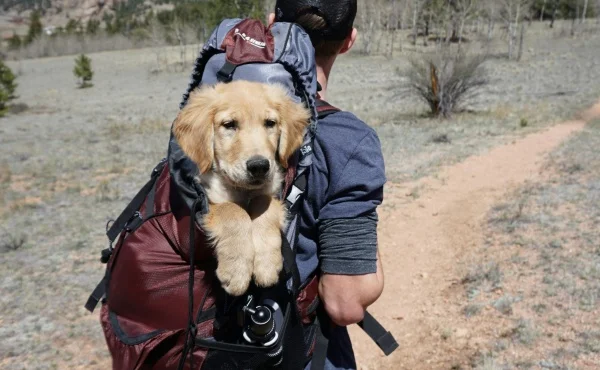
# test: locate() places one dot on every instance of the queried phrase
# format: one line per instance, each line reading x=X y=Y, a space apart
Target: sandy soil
x=423 y=244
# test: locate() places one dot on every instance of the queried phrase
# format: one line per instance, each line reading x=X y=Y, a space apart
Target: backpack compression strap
x=129 y=219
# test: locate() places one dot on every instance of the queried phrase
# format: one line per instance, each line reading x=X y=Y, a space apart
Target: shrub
x=446 y=80
x=524 y=122
x=92 y=26
x=12 y=242
x=7 y=87
x=18 y=108
x=15 y=42
x=73 y=26
x=83 y=70
x=35 y=27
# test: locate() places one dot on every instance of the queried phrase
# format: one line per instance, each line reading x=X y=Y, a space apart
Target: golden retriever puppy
x=241 y=135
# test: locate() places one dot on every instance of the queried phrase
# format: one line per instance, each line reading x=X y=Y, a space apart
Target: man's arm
x=351 y=273
x=346 y=297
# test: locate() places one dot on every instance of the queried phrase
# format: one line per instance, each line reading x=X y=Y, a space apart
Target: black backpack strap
x=129 y=219
x=298 y=188
x=290 y=267
x=319 y=355
x=97 y=294
x=384 y=339
x=134 y=206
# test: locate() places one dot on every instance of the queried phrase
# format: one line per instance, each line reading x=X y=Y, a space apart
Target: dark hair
x=327 y=22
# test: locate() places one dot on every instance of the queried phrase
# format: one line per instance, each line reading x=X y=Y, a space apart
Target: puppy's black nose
x=258 y=166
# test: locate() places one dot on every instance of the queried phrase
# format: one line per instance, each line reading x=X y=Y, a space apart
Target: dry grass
x=544 y=238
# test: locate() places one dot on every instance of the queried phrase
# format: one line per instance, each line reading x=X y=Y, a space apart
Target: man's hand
x=346 y=297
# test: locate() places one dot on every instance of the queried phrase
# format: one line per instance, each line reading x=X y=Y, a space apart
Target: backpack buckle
x=106 y=253
x=225 y=74
x=135 y=222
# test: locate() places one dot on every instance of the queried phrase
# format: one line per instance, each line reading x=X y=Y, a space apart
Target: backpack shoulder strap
x=298 y=187
x=324 y=109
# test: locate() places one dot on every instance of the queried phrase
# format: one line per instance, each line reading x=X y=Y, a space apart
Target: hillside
x=57 y=13
x=122 y=16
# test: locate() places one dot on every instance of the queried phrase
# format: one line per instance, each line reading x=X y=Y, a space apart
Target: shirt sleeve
x=348 y=220
x=348 y=246
x=356 y=185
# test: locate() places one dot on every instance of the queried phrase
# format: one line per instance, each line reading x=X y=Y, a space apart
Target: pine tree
x=92 y=26
x=73 y=26
x=14 y=42
x=83 y=71
x=7 y=87
x=35 y=27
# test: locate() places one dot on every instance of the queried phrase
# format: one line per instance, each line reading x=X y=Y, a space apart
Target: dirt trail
x=424 y=244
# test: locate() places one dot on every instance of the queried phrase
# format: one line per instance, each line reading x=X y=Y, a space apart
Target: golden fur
x=221 y=128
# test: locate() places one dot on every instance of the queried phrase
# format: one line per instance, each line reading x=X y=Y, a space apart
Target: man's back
x=345 y=185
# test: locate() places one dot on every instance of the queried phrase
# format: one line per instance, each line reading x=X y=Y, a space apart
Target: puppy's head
x=245 y=131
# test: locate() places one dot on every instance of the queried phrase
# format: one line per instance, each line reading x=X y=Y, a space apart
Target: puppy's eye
x=270 y=123
x=230 y=125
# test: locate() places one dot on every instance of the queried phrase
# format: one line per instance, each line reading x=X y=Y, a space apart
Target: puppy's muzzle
x=258 y=167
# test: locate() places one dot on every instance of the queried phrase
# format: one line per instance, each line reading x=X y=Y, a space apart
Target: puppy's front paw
x=268 y=218
x=235 y=277
x=268 y=260
x=228 y=226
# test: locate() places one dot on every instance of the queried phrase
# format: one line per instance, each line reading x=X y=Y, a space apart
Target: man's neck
x=323 y=70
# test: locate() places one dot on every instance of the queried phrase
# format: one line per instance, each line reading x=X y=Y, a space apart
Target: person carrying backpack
x=162 y=304
x=338 y=232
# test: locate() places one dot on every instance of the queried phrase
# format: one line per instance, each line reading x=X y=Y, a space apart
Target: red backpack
x=162 y=305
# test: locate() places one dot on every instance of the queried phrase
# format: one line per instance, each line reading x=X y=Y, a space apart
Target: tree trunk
x=554 y=11
x=510 y=40
x=426 y=32
x=520 y=52
x=512 y=32
x=543 y=10
x=369 y=42
x=454 y=32
x=460 y=31
x=490 y=30
x=573 y=26
x=584 y=13
x=415 y=13
x=393 y=25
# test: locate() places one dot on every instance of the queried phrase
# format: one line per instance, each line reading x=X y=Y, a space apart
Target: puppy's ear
x=194 y=128
x=294 y=120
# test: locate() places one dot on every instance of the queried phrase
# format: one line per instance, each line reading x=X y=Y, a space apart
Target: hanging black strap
x=97 y=294
x=289 y=263
x=382 y=337
x=370 y=325
x=192 y=328
x=320 y=351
